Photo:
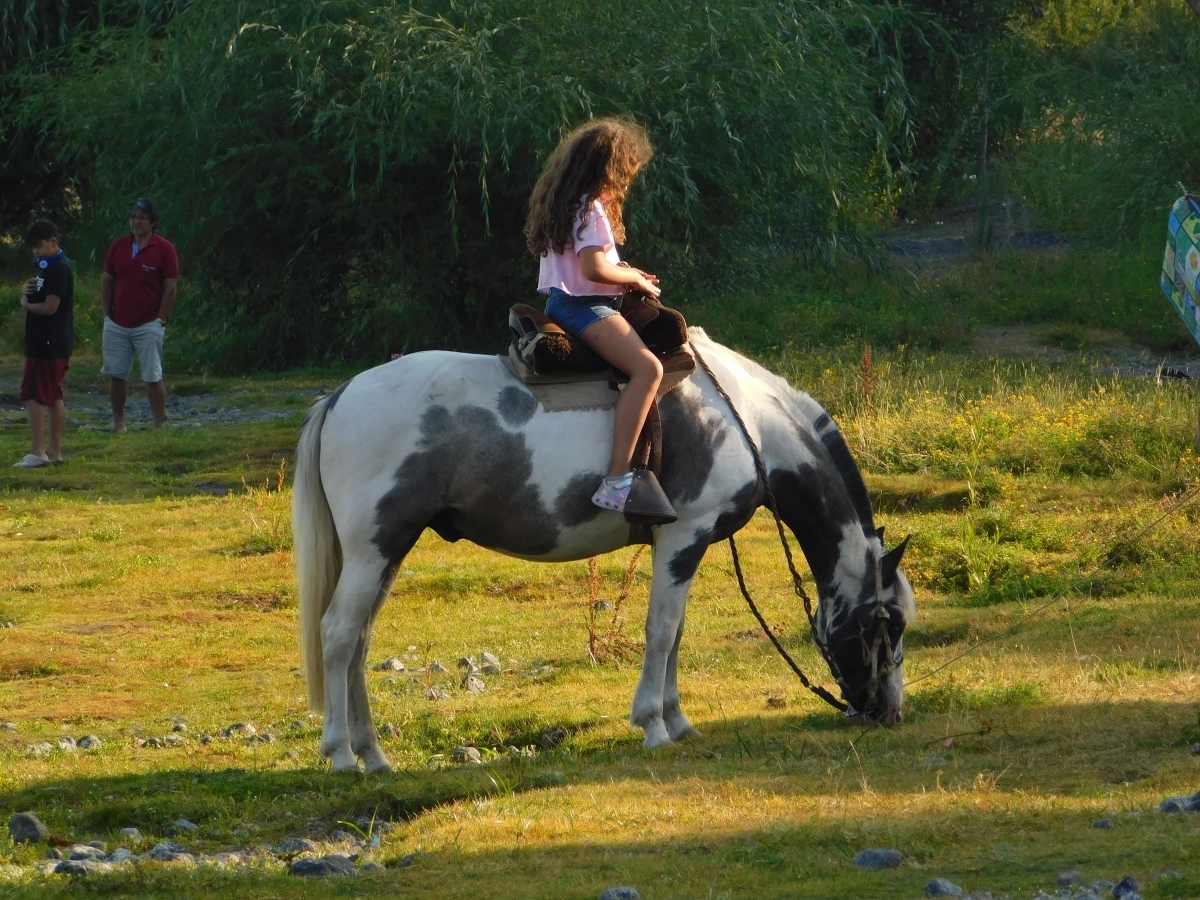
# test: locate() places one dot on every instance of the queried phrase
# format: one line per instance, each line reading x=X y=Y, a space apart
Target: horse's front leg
x=342 y=630
x=653 y=703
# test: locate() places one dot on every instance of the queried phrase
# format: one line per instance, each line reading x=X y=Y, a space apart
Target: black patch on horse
x=470 y=479
x=574 y=505
x=335 y=397
x=815 y=505
x=683 y=564
x=689 y=445
x=843 y=459
x=517 y=405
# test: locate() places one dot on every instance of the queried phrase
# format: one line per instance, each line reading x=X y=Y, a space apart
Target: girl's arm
x=596 y=268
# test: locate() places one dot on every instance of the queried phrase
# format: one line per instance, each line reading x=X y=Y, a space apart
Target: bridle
x=879 y=615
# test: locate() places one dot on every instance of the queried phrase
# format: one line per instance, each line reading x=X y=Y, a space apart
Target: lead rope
x=797 y=583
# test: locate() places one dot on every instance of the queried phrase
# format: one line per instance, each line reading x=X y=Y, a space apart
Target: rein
x=797 y=583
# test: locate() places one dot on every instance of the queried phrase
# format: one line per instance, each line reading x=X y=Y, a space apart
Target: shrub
x=348 y=178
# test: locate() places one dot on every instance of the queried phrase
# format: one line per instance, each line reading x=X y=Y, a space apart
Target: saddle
x=541 y=352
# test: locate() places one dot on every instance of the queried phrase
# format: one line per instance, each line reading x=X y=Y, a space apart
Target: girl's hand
x=645 y=284
x=653 y=279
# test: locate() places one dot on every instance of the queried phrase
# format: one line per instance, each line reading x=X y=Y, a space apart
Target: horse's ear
x=891 y=561
x=879 y=533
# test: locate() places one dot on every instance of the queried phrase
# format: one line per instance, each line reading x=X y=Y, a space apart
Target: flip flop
x=32 y=462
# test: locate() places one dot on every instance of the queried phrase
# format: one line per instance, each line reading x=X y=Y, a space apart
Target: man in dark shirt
x=48 y=301
x=137 y=293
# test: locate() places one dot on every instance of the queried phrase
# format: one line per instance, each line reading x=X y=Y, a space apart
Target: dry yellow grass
x=131 y=612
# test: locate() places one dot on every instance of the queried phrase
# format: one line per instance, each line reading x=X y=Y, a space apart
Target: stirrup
x=647 y=503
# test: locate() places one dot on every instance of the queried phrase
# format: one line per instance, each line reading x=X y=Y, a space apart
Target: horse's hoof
x=656 y=736
x=343 y=760
x=375 y=763
x=687 y=734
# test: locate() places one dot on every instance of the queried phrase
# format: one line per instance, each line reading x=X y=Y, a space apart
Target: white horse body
x=454 y=442
x=562 y=443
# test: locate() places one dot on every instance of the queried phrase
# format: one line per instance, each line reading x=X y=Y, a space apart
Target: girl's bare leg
x=618 y=344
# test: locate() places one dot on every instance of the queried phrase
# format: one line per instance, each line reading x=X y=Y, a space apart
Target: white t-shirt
x=562 y=270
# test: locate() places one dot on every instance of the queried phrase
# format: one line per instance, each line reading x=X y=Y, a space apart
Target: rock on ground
x=943 y=887
x=182 y=826
x=1069 y=877
x=1126 y=886
x=877 y=858
x=466 y=755
x=130 y=834
x=85 y=851
x=165 y=851
x=334 y=864
x=26 y=828
x=621 y=893
x=89 y=742
x=80 y=867
x=1184 y=803
x=295 y=845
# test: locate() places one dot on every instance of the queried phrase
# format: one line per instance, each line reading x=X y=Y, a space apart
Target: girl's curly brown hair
x=599 y=157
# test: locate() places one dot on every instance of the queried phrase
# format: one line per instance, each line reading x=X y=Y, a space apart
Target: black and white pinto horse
x=455 y=443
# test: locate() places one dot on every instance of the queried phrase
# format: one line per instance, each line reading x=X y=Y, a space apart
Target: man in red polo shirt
x=137 y=293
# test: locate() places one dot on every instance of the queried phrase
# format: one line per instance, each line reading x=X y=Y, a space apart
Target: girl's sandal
x=613 y=492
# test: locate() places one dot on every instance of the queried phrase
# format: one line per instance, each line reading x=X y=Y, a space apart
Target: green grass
x=138 y=601
x=1084 y=299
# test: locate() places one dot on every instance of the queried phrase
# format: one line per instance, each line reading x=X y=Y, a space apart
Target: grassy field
x=140 y=601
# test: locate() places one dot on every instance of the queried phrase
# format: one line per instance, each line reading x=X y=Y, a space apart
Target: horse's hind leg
x=364 y=739
x=358 y=591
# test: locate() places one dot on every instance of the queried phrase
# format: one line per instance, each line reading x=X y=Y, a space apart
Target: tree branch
x=1195 y=5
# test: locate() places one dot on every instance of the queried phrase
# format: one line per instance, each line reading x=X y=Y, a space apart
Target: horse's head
x=864 y=644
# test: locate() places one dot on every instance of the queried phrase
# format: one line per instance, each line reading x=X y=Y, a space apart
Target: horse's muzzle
x=891 y=718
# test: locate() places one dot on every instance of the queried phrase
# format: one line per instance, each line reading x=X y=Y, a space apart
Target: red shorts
x=43 y=379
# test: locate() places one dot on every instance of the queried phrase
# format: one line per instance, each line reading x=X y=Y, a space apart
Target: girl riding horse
x=575 y=223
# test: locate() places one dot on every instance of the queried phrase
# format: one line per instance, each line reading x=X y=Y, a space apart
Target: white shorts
x=120 y=345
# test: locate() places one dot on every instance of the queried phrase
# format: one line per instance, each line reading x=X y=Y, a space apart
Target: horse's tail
x=317 y=550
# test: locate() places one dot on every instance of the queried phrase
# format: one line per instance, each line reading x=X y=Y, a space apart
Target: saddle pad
x=559 y=393
x=1180 y=279
x=517 y=366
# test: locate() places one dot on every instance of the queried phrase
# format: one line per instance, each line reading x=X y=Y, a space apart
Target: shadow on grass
x=1085 y=750
x=802 y=856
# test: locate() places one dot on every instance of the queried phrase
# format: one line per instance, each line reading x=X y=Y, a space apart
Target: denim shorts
x=574 y=314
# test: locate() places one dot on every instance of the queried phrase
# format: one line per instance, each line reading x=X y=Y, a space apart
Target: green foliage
x=1111 y=130
x=348 y=178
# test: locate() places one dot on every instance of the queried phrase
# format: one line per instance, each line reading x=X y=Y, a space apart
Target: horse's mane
x=814 y=415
